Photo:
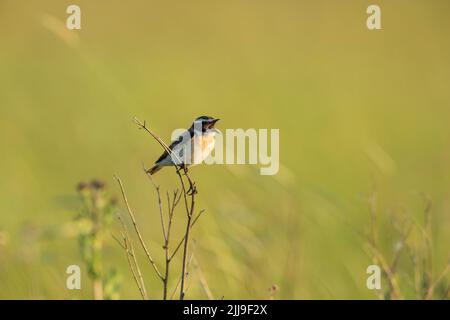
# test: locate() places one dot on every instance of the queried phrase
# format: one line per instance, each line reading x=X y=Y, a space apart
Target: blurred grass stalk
x=94 y=223
x=419 y=251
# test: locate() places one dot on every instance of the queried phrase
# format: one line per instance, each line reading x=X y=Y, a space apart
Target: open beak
x=211 y=125
x=212 y=122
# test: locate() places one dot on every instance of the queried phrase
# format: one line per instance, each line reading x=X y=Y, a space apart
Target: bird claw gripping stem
x=192 y=190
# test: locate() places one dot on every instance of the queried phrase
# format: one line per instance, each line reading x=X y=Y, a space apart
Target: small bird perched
x=191 y=147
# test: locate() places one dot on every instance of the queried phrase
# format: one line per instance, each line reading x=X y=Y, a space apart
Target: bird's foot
x=192 y=190
x=182 y=168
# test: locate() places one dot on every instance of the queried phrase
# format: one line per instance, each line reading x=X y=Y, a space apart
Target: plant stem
x=98 y=289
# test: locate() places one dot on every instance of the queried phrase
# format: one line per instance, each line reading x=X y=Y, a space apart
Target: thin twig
x=189 y=207
x=428 y=237
x=186 y=247
x=136 y=228
x=188 y=271
x=438 y=280
x=203 y=281
x=133 y=272
x=129 y=249
x=402 y=243
x=387 y=270
x=142 y=125
x=182 y=239
x=186 y=275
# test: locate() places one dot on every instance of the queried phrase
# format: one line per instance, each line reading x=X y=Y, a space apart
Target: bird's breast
x=202 y=147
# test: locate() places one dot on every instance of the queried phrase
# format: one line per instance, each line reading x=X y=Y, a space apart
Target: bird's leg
x=182 y=167
x=192 y=188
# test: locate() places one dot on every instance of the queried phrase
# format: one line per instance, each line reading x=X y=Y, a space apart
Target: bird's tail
x=154 y=169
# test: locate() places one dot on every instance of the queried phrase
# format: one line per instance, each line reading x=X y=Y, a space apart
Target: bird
x=191 y=147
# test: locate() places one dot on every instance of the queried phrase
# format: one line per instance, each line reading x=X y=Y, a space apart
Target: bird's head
x=206 y=123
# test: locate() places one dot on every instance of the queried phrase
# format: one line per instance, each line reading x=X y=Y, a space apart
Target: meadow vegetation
x=364 y=148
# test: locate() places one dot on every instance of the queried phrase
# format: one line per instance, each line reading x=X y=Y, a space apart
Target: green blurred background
x=357 y=110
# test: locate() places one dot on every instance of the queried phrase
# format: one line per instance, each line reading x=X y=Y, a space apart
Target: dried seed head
x=97 y=184
x=82 y=186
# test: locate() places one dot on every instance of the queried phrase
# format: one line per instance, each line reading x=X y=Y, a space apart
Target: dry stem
x=191 y=192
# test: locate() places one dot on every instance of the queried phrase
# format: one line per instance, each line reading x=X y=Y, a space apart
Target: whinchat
x=192 y=147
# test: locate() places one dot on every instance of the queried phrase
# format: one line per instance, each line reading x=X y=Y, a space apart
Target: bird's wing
x=186 y=135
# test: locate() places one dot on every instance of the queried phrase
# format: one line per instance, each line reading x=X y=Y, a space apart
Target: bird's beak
x=213 y=121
